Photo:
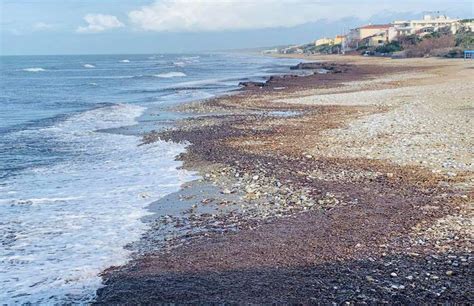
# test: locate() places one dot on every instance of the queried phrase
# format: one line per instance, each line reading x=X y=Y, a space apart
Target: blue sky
x=151 y=26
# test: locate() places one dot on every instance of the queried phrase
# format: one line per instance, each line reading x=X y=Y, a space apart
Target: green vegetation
x=389 y=48
x=409 y=40
x=437 y=43
x=362 y=48
x=465 y=40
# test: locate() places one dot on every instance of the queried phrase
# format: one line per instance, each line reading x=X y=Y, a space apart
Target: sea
x=72 y=191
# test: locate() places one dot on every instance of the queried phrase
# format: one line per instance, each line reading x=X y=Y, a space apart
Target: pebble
x=397 y=287
x=393 y=274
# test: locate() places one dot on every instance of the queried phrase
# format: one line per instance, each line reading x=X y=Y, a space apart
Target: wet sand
x=296 y=207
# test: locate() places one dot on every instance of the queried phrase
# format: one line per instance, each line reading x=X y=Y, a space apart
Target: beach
x=350 y=183
x=75 y=179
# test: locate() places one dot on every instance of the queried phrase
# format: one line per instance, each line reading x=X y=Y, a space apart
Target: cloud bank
x=215 y=15
x=99 y=23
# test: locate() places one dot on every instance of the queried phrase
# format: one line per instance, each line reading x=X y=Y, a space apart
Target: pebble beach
x=353 y=185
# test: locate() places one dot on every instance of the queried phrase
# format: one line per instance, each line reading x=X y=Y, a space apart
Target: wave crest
x=34 y=69
x=173 y=74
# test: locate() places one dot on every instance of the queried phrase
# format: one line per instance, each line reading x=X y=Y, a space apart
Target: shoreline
x=285 y=209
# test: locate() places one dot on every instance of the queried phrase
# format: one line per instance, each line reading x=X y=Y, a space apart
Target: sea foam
x=62 y=224
x=179 y=64
x=173 y=74
x=35 y=69
x=89 y=66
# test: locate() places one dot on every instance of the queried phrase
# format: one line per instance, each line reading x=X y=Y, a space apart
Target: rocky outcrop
x=330 y=68
x=252 y=84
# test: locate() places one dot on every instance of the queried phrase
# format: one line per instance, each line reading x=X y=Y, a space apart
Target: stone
x=393 y=274
x=226 y=191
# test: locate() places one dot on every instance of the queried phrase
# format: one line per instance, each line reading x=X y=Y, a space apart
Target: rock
x=251 y=196
x=252 y=84
x=397 y=287
x=328 y=68
x=393 y=274
x=449 y=273
x=255 y=177
x=226 y=191
x=369 y=278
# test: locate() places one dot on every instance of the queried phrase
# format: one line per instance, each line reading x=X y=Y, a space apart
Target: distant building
x=373 y=32
x=270 y=51
x=375 y=40
x=468 y=24
x=324 y=41
x=368 y=30
x=296 y=49
x=339 y=39
x=430 y=22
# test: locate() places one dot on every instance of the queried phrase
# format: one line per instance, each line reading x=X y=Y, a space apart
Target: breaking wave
x=173 y=74
x=35 y=69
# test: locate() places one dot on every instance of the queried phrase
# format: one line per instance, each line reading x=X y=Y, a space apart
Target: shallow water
x=71 y=195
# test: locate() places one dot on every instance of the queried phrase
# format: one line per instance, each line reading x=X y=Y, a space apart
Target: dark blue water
x=71 y=196
x=38 y=91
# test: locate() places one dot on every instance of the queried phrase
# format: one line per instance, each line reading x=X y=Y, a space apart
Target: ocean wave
x=125 y=61
x=190 y=58
x=34 y=69
x=179 y=64
x=173 y=74
x=89 y=66
x=36 y=201
x=81 y=209
x=185 y=60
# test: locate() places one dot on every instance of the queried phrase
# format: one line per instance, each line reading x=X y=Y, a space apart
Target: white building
x=430 y=22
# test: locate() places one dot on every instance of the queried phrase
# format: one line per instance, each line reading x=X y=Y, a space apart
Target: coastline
x=296 y=209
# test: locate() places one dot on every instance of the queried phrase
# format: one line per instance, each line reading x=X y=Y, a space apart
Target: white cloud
x=43 y=26
x=99 y=23
x=217 y=15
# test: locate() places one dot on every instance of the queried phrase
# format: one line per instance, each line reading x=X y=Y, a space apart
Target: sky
x=30 y=27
